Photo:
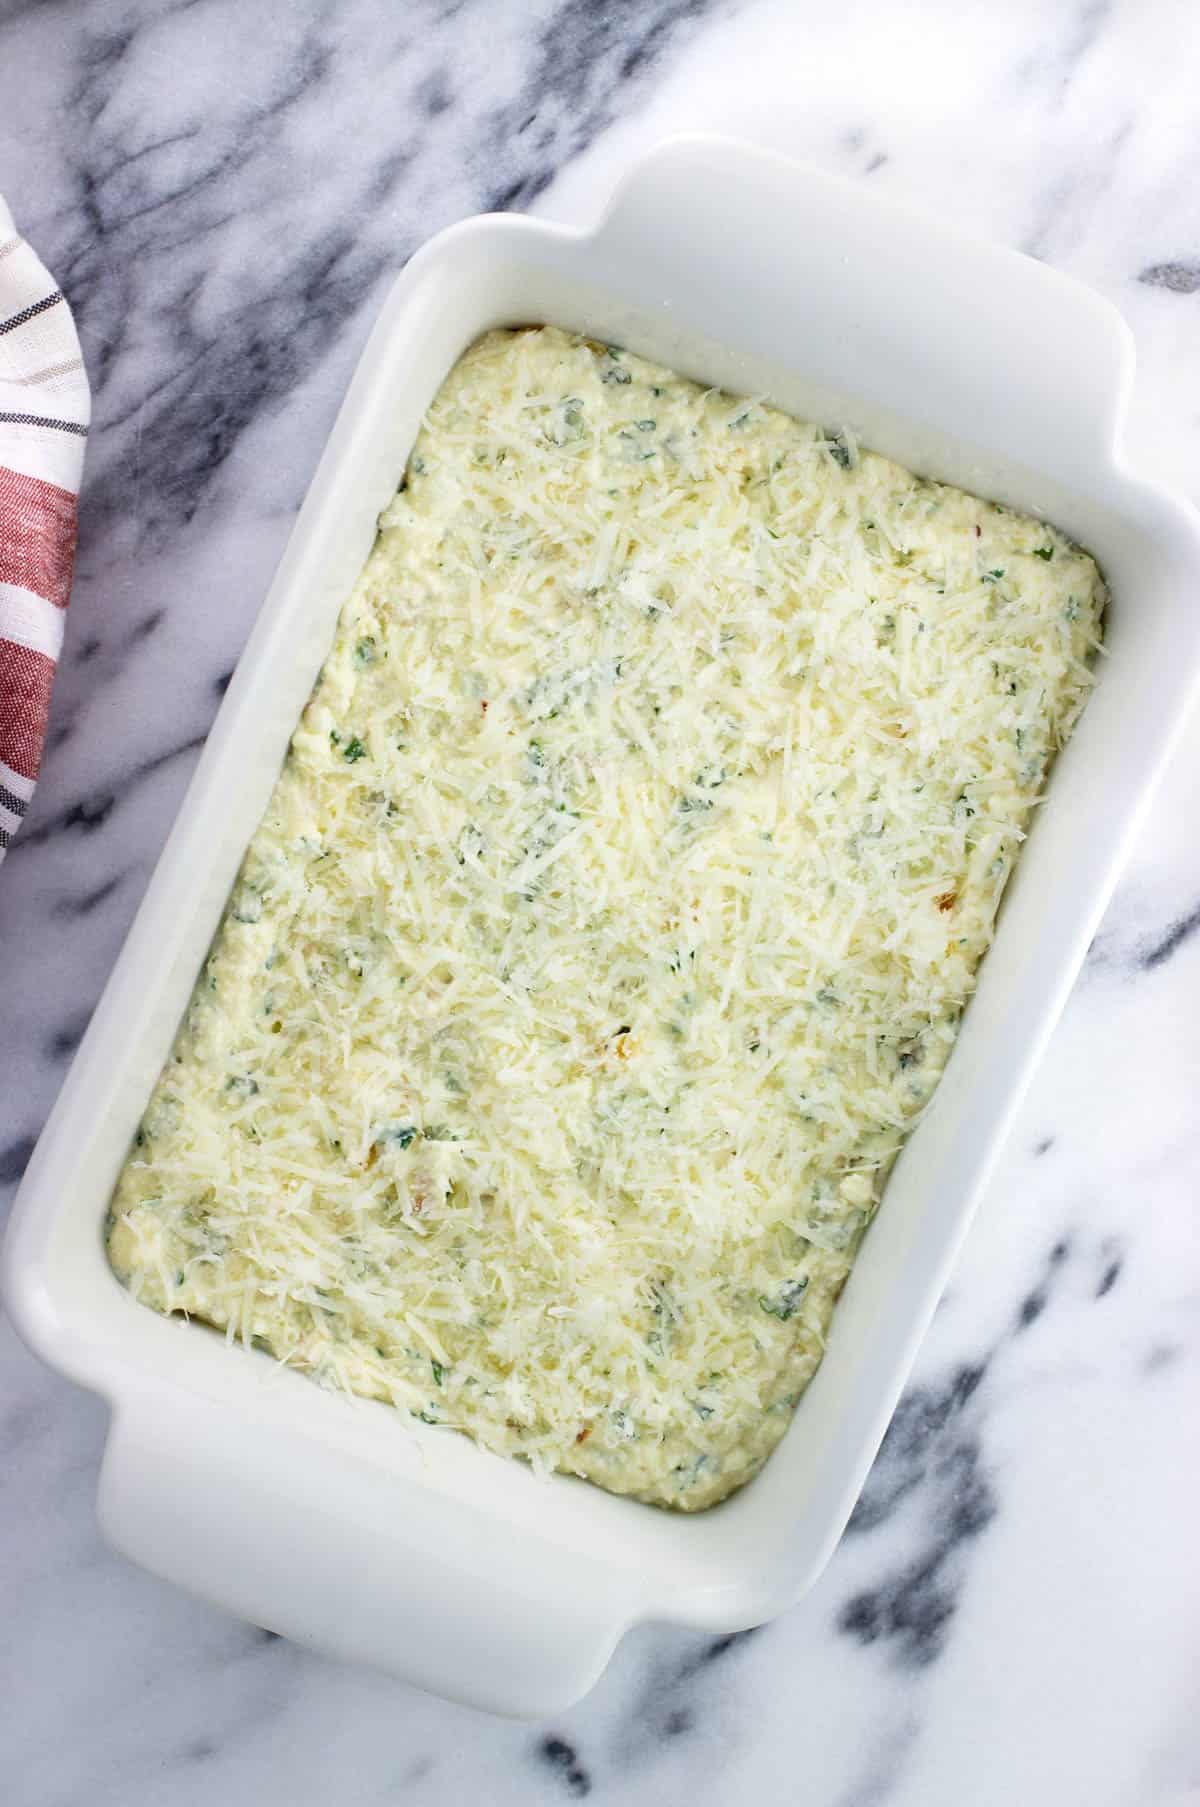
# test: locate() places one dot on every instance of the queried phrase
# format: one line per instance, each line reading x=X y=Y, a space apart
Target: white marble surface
x=223 y=190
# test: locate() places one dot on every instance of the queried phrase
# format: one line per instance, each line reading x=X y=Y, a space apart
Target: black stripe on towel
x=31 y=312
x=11 y=802
x=43 y=420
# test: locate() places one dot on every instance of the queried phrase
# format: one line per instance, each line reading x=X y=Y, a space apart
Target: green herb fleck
x=839 y=450
x=1046 y=552
x=354 y=749
x=788 y=1300
x=247 y=906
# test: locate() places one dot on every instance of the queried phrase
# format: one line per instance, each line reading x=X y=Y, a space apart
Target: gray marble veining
x=224 y=192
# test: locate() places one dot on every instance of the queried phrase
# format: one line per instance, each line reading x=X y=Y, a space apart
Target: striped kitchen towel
x=44 y=411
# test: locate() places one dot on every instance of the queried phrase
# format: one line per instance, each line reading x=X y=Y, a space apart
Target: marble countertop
x=223 y=191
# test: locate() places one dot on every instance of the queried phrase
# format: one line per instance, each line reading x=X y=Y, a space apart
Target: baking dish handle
x=811 y=250
x=335 y=1554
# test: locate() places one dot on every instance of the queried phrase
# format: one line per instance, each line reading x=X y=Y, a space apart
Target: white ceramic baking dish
x=339 y=1523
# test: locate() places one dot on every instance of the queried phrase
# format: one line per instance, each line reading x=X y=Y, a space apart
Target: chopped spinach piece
x=838 y=448
x=404 y=1133
x=787 y=1301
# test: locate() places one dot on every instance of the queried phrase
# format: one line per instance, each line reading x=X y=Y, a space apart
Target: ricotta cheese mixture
x=611 y=921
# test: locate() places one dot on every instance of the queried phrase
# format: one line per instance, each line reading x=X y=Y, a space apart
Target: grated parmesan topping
x=611 y=921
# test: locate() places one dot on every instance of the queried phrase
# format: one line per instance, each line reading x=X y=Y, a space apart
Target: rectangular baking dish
x=338 y=1522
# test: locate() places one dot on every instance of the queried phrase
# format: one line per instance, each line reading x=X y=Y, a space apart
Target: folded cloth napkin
x=45 y=407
